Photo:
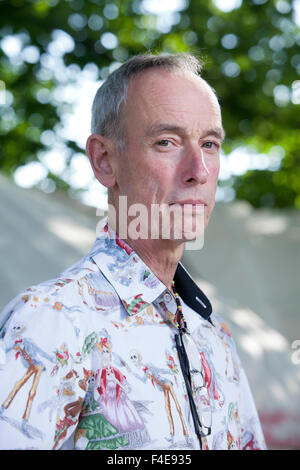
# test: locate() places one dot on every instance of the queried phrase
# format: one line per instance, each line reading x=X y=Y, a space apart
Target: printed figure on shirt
x=148 y=278
x=144 y=315
x=93 y=431
x=65 y=403
x=65 y=392
x=124 y=265
x=121 y=266
x=28 y=353
x=170 y=361
x=233 y=428
x=230 y=348
x=72 y=407
x=111 y=391
x=136 y=305
x=212 y=378
x=113 y=398
x=104 y=300
x=248 y=438
x=88 y=384
x=62 y=358
x=155 y=375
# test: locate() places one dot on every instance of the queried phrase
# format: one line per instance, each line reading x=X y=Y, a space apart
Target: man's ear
x=100 y=151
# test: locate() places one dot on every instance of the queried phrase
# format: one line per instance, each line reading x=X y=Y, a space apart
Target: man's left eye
x=210 y=145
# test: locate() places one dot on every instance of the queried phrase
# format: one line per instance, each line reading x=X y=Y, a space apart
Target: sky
x=76 y=125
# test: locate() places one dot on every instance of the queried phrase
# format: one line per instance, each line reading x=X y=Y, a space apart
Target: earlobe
x=100 y=152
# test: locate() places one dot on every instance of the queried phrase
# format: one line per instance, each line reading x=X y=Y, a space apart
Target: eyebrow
x=162 y=127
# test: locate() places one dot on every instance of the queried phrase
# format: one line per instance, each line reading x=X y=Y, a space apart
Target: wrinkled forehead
x=169 y=97
x=162 y=84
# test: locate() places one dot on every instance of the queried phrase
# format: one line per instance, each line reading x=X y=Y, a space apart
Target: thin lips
x=197 y=202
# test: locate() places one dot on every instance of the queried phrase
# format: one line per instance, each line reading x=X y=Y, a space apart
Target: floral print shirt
x=88 y=361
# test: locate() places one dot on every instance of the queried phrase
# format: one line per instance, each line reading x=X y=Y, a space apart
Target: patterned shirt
x=88 y=360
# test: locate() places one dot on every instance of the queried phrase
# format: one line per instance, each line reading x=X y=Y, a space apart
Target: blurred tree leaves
x=252 y=59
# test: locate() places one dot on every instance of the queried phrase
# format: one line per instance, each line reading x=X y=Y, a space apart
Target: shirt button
x=167 y=297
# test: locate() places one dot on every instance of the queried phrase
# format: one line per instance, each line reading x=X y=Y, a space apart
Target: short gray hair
x=112 y=94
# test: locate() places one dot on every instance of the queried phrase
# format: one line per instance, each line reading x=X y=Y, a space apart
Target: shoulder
x=53 y=310
x=220 y=323
x=224 y=333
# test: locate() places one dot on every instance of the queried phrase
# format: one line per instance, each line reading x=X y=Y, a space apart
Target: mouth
x=192 y=202
x=191 y=207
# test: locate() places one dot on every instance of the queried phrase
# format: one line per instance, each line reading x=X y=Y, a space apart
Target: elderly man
x=149 y=366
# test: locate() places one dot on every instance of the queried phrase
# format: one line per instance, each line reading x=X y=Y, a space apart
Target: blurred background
x=53 y=57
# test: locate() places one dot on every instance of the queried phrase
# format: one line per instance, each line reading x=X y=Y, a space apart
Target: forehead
x=160 y=95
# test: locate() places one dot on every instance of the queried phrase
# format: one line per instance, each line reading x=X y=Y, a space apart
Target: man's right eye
x=163 y=142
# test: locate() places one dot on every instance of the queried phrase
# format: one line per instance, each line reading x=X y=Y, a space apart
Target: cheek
x=145 y=184
x=166 y=178
x=214 y=168
x=158 y=177
x=213 y=181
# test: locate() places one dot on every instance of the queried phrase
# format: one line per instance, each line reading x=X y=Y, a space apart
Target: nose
x=196 y=170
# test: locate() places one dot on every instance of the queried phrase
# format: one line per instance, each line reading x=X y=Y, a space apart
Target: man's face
x=174 y=133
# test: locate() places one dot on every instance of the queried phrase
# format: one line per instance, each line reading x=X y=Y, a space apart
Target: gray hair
x=112 y=94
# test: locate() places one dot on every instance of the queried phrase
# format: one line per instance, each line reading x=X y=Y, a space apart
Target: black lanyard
x=184 y=363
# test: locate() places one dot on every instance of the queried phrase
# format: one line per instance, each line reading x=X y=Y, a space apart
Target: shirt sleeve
x=251 y=434
x=42 y=374
x=252 y=437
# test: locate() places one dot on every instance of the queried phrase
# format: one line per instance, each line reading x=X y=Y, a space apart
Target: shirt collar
x=136 y=285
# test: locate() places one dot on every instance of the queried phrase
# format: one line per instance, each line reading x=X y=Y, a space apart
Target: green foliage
x=253 y=63
x=252 y=60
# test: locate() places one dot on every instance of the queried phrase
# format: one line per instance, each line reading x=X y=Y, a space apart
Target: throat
x=162 y=258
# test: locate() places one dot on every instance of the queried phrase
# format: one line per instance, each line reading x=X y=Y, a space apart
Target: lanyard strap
x=184 y=363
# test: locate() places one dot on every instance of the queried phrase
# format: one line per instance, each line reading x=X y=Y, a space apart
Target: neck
x=161 y=256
